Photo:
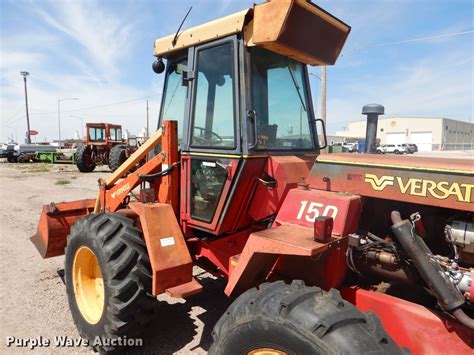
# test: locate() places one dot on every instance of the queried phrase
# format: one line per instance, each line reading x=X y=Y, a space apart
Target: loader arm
x=113 y=192
x=57 y=218
x=111 y=195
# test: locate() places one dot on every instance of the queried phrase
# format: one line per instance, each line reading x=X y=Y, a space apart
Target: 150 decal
x=313 y=210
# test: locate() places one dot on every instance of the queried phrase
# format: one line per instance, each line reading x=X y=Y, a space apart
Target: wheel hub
x=88 y=285
x=266 y=351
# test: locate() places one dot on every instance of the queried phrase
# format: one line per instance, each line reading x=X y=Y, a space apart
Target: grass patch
x=32 y=167
x=40 y=169
x=62 y=182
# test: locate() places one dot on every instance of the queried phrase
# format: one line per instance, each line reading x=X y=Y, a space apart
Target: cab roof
x=294 y=28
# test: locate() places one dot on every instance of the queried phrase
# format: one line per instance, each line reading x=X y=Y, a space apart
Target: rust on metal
x=284 y=26
x=55 y=223
x=170 y=259
x=263 y=248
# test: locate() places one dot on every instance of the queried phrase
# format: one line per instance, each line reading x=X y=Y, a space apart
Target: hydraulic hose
x=464 y=318
x=153 y=177
x=448 y=296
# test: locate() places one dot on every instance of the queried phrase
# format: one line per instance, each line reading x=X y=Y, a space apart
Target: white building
x=433 y=133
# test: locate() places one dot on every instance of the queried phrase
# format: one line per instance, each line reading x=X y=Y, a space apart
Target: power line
x=98 y=106
x=14 y=117
x=408 y=41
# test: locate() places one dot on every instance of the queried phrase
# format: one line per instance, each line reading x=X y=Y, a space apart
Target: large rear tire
x=117 y=156
x=108 y=280
x=12 y=159
x=84 y=161
x=295 y=319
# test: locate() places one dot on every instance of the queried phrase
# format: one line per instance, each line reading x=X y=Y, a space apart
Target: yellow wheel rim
x=88 y=285
x=266 y=351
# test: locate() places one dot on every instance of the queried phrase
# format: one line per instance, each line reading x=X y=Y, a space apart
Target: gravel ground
x=33 y=297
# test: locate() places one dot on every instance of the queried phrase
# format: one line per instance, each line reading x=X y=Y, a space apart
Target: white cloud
x=436 y=85
x=100 y=33
x=78 y=51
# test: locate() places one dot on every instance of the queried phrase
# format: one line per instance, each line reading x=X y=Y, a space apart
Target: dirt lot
x=33 y=298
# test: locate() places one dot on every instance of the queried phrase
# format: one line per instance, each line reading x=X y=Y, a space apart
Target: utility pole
x=28 y=138
x=323 y=93
x=147 y=121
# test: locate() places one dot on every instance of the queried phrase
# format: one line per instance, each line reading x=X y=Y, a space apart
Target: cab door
x=212 y=154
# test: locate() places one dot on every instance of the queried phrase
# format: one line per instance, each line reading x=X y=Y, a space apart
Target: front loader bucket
x=55 y=223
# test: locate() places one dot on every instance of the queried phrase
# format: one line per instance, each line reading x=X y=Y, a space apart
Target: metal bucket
x=55 y=223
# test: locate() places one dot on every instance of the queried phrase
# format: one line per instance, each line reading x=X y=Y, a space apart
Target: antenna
x=179 y=28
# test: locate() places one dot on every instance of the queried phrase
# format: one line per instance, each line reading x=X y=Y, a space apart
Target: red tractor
x=323 y=253
x=104 y=146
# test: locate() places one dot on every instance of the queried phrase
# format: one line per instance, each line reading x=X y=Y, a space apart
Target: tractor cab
x=242 y=100
x=103 y=134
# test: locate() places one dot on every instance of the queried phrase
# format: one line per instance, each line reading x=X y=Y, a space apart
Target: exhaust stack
x=372 y=111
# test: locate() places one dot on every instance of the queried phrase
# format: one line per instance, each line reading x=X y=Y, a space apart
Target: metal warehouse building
x=433 y=133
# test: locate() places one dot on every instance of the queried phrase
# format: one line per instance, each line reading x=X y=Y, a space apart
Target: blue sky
x=101 y=53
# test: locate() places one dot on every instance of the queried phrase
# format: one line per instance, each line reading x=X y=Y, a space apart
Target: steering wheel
x=204 y=140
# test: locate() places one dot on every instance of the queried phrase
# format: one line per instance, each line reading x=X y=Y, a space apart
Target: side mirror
x=158 y=66
x=321 y=131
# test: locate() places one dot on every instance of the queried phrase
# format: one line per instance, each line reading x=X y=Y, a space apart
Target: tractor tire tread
x=117 y=156
x=81 y=159
x=130 y=305
x=320 y=317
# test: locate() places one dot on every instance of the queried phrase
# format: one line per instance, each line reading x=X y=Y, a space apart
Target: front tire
x=85 y=163
x=108 y=280
x=295 y=319
x=117 y=156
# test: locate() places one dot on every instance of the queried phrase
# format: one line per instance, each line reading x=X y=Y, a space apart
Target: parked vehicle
x=7 y=150
x=346 y=147
x=104 y=146
x=391 y=148
x=22 y=153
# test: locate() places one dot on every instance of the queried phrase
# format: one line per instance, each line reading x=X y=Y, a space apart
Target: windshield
x=175 y=96
x=97 y=134
x=279 y=100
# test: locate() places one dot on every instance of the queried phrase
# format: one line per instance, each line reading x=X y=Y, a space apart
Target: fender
x=288 y=247
x=171 y=263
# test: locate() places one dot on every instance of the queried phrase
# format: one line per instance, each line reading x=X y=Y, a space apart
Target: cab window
x=214 y=117
x=115 y=134
x=280 y=101
x=175 y=95
x=97 y=134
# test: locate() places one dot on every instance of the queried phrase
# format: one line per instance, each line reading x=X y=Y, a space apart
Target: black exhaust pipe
x=373 y=111
x=448 y=296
